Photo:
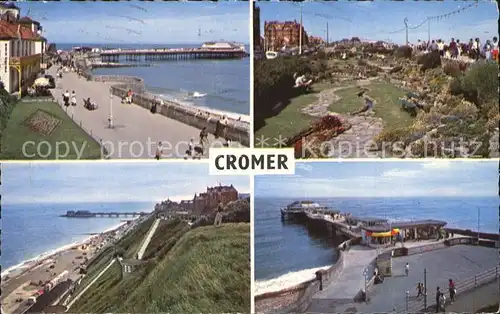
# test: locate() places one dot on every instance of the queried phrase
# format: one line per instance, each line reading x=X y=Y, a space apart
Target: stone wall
x=297 y=299
x=236 y=130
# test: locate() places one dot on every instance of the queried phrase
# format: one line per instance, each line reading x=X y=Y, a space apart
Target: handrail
x=463 y=286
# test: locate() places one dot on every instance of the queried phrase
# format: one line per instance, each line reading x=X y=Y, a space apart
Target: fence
x=462 y=287
x=236 y=130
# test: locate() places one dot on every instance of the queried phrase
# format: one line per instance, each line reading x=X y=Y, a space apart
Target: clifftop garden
x=425 y=105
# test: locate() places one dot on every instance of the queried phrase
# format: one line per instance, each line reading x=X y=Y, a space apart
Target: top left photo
x=123 y=80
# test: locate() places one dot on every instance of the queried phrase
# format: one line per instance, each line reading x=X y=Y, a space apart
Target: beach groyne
x=238 y=131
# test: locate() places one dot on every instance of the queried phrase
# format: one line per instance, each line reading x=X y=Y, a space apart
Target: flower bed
x=321 y=131
x=42 y=122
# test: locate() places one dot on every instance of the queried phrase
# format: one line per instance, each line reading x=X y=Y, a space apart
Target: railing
x=469 y=284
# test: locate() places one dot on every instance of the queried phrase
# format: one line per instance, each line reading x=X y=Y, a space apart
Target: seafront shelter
x=365 y=221
x=381 y=235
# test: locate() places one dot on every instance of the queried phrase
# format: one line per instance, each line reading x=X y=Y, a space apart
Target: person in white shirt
x=73 y=98
x=159 y=151
x=407 y=269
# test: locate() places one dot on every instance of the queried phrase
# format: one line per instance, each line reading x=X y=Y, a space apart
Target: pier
x=170 y=54
x=88 y=214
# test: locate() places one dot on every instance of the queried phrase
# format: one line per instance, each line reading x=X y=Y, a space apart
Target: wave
x=30 y=263
x=286 y=281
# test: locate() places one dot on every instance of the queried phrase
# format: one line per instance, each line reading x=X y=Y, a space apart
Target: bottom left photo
x=124 y=238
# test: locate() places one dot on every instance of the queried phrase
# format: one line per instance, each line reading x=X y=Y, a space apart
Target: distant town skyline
x=384 y=20
x=118 y=22
x=92 y=182
x=439 y=178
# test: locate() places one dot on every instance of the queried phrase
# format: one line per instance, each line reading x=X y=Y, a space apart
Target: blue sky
x=158 y=22
x=383 y=179
x=375 y=20
x=108 y=182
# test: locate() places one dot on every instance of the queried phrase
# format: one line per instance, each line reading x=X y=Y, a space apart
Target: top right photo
x=377 y=79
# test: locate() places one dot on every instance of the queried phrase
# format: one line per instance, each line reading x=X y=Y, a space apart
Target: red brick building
x=202 y=202
x=278 y=34
x=211 y=198
x=315 y=41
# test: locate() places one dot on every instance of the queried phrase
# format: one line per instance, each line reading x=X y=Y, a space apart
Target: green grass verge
x=17 y=133
x=206 y=271
x=386 y=98
x=291 y=119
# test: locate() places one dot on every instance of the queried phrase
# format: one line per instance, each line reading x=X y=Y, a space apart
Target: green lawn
x=290 y=120
x=386 y=103
x=206 y=270
x=67 y=141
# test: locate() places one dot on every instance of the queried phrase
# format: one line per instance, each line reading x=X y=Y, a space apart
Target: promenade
x=459 y=262
x=136 y=130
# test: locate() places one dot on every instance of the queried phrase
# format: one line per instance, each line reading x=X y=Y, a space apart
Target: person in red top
x=452 y=290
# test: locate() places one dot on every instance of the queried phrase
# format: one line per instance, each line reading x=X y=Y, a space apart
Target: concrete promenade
x=136 y=132
x=473 y=301
x=459 y=262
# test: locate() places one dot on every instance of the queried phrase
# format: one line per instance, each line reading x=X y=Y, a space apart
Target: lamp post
x=365 y=274
x=110 y=119
x=407 y=299
x=425 y=289
x=406 y=27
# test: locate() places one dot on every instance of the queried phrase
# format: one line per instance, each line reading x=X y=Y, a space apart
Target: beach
x=26 y=279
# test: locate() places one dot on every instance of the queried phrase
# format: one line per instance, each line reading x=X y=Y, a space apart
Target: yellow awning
x=383 y=234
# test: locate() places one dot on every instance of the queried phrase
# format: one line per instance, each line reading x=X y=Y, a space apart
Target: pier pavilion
x=384 y=234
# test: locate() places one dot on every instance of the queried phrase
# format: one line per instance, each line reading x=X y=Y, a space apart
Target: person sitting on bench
x=301 y=81
x=368 y=103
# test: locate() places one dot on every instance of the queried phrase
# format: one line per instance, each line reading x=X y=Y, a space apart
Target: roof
x=405 y=224
x=27 y=19
x=9 y=31
x=369 y=219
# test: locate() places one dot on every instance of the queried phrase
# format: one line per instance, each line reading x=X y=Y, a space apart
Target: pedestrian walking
x=159 y=151
x=438 y=300
x=66 y=98
x=452 y=290
x=420 y=290
x=73 y=99
x=407 y=269
x=218 y=216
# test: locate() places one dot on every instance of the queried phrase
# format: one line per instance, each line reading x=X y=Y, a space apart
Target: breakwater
x=199 y=118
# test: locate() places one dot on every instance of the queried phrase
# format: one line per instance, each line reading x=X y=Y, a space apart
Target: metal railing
x=464 y=286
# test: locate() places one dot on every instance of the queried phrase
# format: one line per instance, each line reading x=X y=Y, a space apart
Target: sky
x=376 y=20
x=25 y=183
x=158 y=22
x=438 y=178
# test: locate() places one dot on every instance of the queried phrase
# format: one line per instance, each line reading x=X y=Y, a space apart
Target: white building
x=21 y=49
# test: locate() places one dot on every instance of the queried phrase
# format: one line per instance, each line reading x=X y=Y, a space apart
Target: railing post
x=425 y=289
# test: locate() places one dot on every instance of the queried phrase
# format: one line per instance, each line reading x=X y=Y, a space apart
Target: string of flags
x=458 y=11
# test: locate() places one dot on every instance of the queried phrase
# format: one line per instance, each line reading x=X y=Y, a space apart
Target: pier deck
x=171 y=54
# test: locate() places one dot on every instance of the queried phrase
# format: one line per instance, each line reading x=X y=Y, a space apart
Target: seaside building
x=315 y=40
x=201 y=202
x=21 y=49
x=221 y=45
x=280 y=34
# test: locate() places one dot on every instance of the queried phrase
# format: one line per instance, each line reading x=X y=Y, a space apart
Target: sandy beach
x=28 y=278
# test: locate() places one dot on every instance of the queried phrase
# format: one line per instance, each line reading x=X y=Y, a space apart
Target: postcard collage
x=249 y=157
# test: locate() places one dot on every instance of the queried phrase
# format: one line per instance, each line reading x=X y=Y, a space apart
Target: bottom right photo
x=381 y=236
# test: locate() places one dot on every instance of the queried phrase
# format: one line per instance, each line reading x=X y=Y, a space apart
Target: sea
x=33 y=231
x=225 y=83
x=287 y=254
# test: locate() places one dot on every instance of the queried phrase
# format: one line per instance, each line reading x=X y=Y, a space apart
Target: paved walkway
x=459 y=262
x=474 y=300
x=90 y=284
x=136 y=132
x=148 y=238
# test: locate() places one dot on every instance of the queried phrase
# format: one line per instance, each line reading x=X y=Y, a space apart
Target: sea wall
x=297 y=299
x=235 y=131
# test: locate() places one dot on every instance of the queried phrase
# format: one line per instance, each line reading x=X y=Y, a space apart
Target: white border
x=251 y=4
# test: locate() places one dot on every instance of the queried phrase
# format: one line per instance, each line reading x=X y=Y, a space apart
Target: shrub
x=327 y=122
x=430 y=60
x=362 y=62
x=452 y=69
x=403 y=52
x=7 y=103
